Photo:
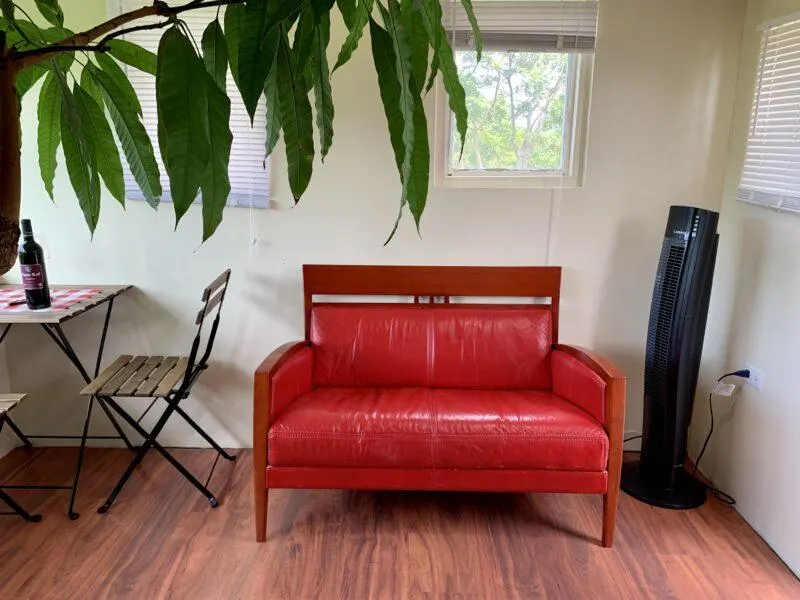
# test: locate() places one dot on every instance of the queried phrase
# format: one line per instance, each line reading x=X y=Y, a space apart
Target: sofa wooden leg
x=609 y=516
x=262 y=502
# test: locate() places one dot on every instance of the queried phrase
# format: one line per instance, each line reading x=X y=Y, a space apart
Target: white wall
x=755 y=452
x=664 y=83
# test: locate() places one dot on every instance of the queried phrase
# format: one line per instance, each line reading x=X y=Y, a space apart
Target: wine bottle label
x=32 y=277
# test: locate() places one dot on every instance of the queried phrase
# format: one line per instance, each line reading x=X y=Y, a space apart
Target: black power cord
x=720 y=495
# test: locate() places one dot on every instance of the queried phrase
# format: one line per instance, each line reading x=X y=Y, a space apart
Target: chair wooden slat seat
x=9 y=401
x=139 y=376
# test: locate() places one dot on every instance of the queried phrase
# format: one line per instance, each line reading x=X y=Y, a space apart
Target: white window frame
x=576 y=125
x=512 y=18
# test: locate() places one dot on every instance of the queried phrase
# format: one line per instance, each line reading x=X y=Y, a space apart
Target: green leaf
x=420 y=165
x=322 y=85
x=348 y=10
x=133 y=55
x=100 y=141
x=28 y=77
x=431 y=11
x=81 y=166
x=386 y=67
x=273 y=109
x=122 y=83
x=359 y=21
x=51 y=11
x=49 y=132
x=322 y=8
x=131 y=133
x=234 y=18
x=304 y=36
x=182 y=96
x=90 y=87
x=7 y=8
x=281 y=10
x=418 y=41
x=476 y=30
x=407 y=99
x=215 y=53
x=432 y=18
x=256 y=53
x=216 y=186
x=298 y=128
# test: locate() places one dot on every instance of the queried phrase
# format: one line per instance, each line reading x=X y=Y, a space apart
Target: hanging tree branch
x=81 y=41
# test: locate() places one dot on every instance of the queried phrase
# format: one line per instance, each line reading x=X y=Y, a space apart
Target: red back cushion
x=443 y=346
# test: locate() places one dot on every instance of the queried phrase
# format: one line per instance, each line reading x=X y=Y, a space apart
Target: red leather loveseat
x=445 y=396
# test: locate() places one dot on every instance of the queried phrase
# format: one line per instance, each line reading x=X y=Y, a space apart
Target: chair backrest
x=213 y=298
x=446 y=344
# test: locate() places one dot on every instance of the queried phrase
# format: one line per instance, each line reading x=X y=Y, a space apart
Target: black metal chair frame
x=213 y=298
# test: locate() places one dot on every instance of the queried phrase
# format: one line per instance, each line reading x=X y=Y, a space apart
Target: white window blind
x=771 y=173
x=528 y=25
x=248 y=171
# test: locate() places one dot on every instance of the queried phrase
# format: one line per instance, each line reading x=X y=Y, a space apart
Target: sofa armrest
x=280 y=378
x=592 y=382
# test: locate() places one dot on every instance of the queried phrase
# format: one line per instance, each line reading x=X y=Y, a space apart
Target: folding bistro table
x=68 y=302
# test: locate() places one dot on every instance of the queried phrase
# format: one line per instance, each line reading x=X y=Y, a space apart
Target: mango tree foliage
x=276 y=49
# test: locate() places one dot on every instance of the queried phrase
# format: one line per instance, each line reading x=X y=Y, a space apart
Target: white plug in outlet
x=756 y=379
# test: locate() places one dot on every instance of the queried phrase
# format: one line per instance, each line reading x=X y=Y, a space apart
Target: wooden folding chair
x=168 y=378
x=7 y=403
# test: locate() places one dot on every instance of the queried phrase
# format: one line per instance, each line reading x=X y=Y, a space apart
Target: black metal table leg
x=57 y=335
x=18 y=432
x=71 y=510
x=18 y=509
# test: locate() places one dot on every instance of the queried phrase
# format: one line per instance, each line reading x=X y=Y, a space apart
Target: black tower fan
x=674 y=345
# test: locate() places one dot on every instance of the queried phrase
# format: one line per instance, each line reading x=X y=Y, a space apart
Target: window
x=248 y=172
x=771 y=173
x=528 y=99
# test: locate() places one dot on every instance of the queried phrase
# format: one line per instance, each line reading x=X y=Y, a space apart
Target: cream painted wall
x=755 y=454
x=664 y=83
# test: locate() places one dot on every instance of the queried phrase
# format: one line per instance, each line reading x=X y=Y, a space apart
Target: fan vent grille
x=662 y=315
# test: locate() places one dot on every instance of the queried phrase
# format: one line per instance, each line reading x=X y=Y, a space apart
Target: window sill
x=506 y=182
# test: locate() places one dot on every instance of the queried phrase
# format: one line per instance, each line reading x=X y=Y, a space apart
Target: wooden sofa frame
x=444 y=283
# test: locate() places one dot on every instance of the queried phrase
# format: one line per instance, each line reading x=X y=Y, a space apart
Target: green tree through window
x=516 y=103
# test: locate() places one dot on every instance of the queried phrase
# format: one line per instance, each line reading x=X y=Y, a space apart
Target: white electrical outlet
x=756 y=379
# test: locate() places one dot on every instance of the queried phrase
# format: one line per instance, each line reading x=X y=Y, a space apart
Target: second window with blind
x=771 y=172
x=528 y=98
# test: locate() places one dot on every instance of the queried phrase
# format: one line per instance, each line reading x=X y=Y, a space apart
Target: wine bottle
x=34 y=274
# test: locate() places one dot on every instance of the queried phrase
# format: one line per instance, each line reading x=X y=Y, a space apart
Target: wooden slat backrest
x=213 y=296
x=222 y=279
x=502 y=282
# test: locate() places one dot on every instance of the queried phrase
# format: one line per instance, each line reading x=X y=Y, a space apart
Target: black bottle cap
x=27 y=228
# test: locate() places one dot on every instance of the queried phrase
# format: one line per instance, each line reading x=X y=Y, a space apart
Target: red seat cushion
x=433 y=428
x=359 y=427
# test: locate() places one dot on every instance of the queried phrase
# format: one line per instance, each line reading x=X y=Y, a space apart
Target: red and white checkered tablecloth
x=60 y=299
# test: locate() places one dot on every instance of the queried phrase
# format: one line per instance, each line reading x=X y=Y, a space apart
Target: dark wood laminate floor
x=162 y=540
